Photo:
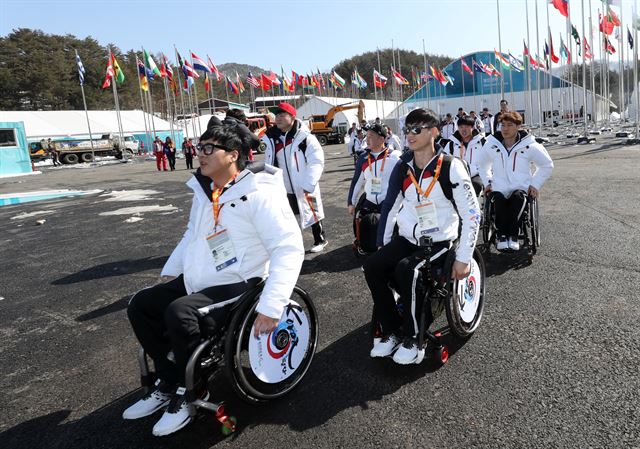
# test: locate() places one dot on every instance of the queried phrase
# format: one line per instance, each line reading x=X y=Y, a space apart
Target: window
x=8 y=138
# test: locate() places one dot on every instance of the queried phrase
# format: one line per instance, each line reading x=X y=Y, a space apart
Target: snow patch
x=133 y=219
x=140 y=210
x=31 y=214
x=130 y=195
x=15 y=175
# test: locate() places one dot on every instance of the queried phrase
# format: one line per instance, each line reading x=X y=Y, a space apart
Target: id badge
x=222 y=249
x=427 y=218
x=375 y=185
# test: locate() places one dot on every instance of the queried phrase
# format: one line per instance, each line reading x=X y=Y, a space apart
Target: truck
x=322 y=125
x=72 y=151
x=258 y=124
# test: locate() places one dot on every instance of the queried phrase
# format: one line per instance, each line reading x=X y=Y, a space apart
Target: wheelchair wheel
x=486 y=223
x=535 y=225
x=466 y=302
x=271 y=366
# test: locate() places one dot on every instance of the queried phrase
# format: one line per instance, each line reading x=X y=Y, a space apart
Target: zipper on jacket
x=295 y=157
x=515 y=156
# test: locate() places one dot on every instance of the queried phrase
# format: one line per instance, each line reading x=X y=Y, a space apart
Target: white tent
x=45 y=124
x=316 y=105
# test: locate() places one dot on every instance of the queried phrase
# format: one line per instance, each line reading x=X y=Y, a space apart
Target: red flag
x=554 y=58
x=587 y=49
x=265 y=82
x=466 y=67
x=110 y=73
x=207 y=84
x=232 y=86
x=606 y=26
x=562 y=6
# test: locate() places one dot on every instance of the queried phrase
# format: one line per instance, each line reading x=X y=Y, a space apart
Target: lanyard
x=436 y=175
x=384 y=159
x=215 y=197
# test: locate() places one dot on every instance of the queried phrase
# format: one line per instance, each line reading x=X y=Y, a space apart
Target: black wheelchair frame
x=226 y=350
x=444 y=293
x=529 y=226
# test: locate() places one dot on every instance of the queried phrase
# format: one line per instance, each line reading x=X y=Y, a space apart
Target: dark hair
x=231 y=136
x=512 y=117
x=422 y=116
x=238 y=115
x=466 y=120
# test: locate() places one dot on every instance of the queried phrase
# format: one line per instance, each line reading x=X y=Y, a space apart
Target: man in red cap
x=292 y=148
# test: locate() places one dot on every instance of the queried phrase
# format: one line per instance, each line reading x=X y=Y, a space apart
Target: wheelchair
x=259 y=370
x=529 y=227
x=365 y=228
x=462 y=301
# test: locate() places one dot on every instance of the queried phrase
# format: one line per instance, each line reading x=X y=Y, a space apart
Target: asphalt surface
x=554 y=363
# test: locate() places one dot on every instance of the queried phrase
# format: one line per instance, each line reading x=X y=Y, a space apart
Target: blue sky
x=297 y=34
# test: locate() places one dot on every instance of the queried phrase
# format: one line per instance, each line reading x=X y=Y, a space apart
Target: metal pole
x=584 y=74
x=528 y=64
x=500 y=47
x=144 y=115
x=540 y=121
x=550 y=67
x=86 y=113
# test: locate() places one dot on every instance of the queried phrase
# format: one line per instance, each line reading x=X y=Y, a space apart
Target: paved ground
x=555 y=362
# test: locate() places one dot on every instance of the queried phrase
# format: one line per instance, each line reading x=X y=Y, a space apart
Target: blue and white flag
x=80 y=69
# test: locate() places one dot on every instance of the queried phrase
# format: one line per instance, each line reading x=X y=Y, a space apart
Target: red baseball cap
x=286 y=107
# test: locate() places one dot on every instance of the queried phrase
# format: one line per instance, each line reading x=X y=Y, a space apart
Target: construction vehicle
x=322 y=125
x=258 y=124
x=72 y=151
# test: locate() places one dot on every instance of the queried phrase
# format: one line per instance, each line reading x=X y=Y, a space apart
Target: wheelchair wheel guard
x=466 y=303
x=271 y=366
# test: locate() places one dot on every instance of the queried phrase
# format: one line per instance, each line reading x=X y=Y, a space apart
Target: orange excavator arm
x=343 y=107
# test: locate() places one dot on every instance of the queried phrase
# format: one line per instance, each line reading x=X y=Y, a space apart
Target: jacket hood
x=524 y=138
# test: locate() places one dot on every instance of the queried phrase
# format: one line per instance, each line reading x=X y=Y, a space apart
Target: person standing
x=291 y=147
x=189 y=151
x=392 y=141
x=448 y=127
x=497 y=119
x=53 y=152
x=170 y=151
x=466 y=143
x=487 y=121
x=158 y=152
x=477 y=123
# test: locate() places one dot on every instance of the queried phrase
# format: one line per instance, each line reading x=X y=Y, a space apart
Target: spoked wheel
x=466 y=302
x=535 y=225
x=271 y=366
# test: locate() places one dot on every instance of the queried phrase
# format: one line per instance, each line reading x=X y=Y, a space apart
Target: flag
x=397 y=76
x=288 y=85
x=495 y=71
x=448 y=77
x=606 y=26
x=110 y=73
x=214 y=69
x=500 y=57
x=232 y=86
x=553 y=55
x=189 y=70
x=142 y=74
x=151 y=65
x=359 y=81
x=320 y=79
x=608 y=46
x=425 y=77
x=119 y=74
x=252 y=80
x=477 y=67
x=587 y=49
x=239 y=83
x=207 y=84
x=466 y=67
x=613 y=18
x=338 y=80
x=515 y=63
x=265 y=82
x=379 y=80
x=562 y=6
x=575 y=35
x=437 y=74
x=80 y=69
x=564 y=51
x=199 y=64
x=630 y=38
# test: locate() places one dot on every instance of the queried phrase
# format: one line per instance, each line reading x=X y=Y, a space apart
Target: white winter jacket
x=267 y=241
x=300 y=157
x=510 y=169
x=471 y=152
x=368 y=166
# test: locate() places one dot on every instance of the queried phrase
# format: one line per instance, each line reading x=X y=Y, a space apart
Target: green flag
x=118 y=71
x=151 y=65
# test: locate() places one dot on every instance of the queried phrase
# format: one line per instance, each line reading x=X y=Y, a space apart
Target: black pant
x=477 y=184
x=172 y=161
x=165 y=318
x=189 y=159
x=316 y=228
x=509 y=212
x=54 y=158
x=400 y=262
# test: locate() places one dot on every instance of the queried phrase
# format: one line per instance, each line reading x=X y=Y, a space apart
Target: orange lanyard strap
x=436 y=175
x=384 y=160
x=215 y=199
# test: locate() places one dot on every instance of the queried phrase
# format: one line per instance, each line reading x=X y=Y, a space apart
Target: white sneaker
x=385 y=347
x=502 y=244
x=176 y=416
x=149 y=404
x=318 y=247
x=513 y=244
x=407 y=353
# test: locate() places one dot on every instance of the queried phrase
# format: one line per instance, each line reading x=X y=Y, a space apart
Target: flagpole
x=144 y=115
x=634 y=22
x=150 y=100
x=382 y=88
x=621 y=57
x=551 y=105
x=510 y=81
x=86 y=112
x=528 y=62
x=539 y=68
x=117 y=103
x=500 y=48
x=584 y=75
x=167 y=99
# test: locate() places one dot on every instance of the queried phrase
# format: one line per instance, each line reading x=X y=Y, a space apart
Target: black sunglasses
x=209 y=148
x=415 y=129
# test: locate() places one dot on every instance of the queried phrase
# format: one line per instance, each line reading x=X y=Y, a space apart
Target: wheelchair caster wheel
x=228 y=422
x=441 y=355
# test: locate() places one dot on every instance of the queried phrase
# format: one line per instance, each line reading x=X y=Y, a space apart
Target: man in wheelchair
x=241 y=229
x=371 y=176
x=506 y=162
x=466 y=143
x=420 y=201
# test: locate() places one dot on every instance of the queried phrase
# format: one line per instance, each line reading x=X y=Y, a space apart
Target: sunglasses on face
x=209 y=148
x=415 y=129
